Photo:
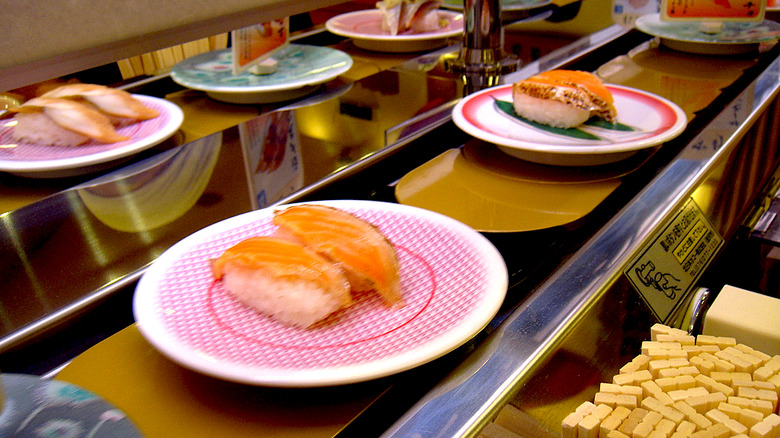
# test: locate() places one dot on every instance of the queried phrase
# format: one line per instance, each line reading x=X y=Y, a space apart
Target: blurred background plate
x=36 y=407
x=44 y=161
x=506 y=5
x=365 y=29
x=300 y=69
x=685 y=36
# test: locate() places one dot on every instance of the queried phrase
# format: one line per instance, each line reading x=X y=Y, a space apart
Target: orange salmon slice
x=282 y=258
x=588 y=80
x=367 y=257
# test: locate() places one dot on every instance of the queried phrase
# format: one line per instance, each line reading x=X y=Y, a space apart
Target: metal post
x=482 y=59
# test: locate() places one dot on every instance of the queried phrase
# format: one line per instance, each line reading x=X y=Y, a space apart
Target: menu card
x=626 y=12
x=272 y=159
x=253 y=44
x=713 y=10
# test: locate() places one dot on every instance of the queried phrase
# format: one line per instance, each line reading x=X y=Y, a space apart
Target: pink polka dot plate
x=453 y=279
x=37 y=160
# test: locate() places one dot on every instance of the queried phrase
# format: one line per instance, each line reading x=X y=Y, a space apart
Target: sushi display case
x=582 y=244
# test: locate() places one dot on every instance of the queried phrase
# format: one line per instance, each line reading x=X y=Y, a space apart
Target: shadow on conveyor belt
x=73 y=336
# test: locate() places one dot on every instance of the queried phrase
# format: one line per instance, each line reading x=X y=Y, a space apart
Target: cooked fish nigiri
x=563 y=98
x=417 y=16
x=114 y=102
x=283 y=279
x=39 y=120
x=391 y=15
x=601 y=98
x=368 y=259
x=421 y=16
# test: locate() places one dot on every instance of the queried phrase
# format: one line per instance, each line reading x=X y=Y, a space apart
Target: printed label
x=272 y=157
x=723 y=10
x=253 y=44
x=668 y=267
x=626 y=12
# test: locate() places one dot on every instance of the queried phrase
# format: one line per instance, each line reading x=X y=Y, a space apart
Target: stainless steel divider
x=466 y=400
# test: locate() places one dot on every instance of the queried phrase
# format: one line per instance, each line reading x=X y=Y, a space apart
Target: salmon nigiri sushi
x=283 y=279
x=563 y=98
x=368 y=259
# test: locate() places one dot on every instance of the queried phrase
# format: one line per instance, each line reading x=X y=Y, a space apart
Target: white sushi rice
x=292 y=301
x=549 y=112
x=38 y=128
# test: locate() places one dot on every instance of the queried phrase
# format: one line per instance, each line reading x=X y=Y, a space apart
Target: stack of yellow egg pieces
x=685 y=386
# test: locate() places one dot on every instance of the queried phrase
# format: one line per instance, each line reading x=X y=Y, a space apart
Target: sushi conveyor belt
x=562 y=280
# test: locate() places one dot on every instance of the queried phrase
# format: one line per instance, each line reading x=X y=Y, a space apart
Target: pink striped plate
x=652 y=120
x=454 y=280
x=31 y=159
x=365 y=29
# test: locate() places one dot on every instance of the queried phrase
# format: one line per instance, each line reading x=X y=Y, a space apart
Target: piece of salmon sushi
x=367 y=257
x=603 y=103
x=283 y=279
x=581 y=78
x=563 y=98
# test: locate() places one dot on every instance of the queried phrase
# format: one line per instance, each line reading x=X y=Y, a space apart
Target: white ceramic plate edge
x=506 y=6
x=468 y=127
x=154 y=331
x=331 y=27
x=31 y=402
x=300 y=83
x=643 y=24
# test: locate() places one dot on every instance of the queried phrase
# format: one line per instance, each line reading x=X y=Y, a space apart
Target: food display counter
x=578 y=241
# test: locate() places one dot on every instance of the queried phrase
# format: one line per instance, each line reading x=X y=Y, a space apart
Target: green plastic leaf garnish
x=597 y=122
x=509 y=109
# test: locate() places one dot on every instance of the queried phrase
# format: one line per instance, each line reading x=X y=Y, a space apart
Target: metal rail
x=466 y=400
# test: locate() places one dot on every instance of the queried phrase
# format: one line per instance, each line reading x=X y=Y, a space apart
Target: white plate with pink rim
x=645 y=120
x=365 y=29
x=44 y=161
x=453 y=280
x=506 y=5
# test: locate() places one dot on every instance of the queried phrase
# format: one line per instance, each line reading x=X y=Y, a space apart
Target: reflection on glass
x=153 y=192
x=690 y=81
x=498 y=193
x=271 y=157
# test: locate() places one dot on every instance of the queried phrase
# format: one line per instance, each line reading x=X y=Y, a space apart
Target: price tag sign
x=626 y=12
x=271 y=157
x=713 y=10
x=668 y=267
x=253 y=44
